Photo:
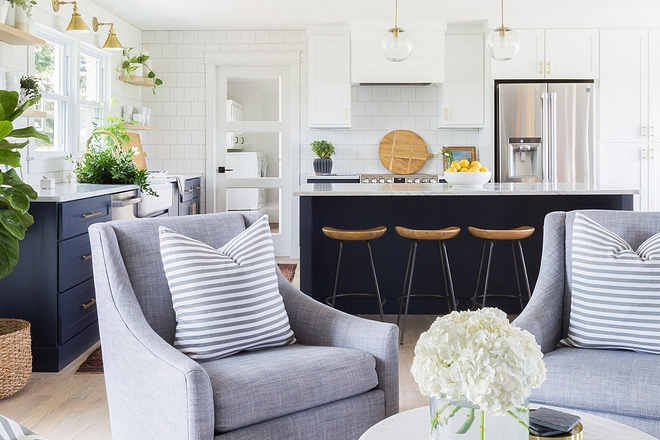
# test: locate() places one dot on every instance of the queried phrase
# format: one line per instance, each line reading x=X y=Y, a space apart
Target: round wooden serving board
x=403 y=152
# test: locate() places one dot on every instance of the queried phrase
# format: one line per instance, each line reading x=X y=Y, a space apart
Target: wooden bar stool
x=415 y=236
x=365 y=235
x=490 y=236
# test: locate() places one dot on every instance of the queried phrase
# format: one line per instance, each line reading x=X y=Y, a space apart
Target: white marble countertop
x=66 y=192
x=443 y=189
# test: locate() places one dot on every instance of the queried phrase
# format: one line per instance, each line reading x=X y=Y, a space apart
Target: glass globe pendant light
x=396 y=43
x=503 y=43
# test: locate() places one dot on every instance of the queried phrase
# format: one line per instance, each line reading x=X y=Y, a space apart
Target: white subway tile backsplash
x=191 y=37
x=400 y=108
x=248 y=37
x=184 y=138
x=234 y=37
x=219 y=37
x=386 y=108
x=393 y=93
x=378 y=93
x=205 y=37
x=408 y=94
x=176 y=37
x=363 y=93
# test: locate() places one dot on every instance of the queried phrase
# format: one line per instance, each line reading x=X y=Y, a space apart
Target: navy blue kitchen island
x=430 y=206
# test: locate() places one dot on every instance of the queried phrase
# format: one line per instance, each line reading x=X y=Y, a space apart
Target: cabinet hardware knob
x=89 y=304
x=92 y=214
x=87 y=257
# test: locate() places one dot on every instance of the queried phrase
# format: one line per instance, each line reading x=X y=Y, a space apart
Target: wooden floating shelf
x=29 y=113
x=11 y=35
x=137 y=81
x=139 y=127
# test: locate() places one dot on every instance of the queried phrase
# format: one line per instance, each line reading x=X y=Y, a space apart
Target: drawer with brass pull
x=75 y=261
x=77 y=215
x=76 y=309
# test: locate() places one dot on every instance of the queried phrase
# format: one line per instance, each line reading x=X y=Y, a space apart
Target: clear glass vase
x=458 y=419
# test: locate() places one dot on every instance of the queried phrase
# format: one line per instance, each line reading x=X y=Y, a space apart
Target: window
x=72 y=74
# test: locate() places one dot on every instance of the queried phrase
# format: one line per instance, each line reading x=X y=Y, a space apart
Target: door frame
x=216 y=60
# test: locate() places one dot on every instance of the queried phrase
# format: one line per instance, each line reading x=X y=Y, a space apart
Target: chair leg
x=334 y=289
x=476 y=289
x=410 y=280
x=490 y=254
x=373 y=272
x=522 y=257
x=515 y=268
x=446 y=272
x=405 y=282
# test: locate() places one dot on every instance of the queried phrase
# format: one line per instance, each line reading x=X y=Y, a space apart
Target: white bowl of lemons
x=466 y=174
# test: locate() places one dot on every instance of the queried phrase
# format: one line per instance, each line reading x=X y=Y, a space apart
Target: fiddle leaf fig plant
x=15 y=194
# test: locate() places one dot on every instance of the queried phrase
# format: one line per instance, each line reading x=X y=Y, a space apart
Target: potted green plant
x=107 y=160
x=131 y=63
x=25 y=5
x=324 y=151
x=15 y=194
x=29 y=88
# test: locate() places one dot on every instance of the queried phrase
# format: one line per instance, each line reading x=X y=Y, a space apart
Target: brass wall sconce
x=112 y=43
x=77 y=25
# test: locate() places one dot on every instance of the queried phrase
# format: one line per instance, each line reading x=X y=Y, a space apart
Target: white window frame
x=39 y=162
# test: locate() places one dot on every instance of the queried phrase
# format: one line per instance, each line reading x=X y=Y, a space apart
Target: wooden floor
x=69 y=406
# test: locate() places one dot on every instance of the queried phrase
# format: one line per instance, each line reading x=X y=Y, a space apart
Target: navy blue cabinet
x=52 y=285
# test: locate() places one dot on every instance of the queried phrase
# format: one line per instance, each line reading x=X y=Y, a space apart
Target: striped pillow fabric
x=226 y=300
x=616 y=291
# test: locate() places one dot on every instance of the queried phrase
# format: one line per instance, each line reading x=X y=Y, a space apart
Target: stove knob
x=365 y=180
x=432 y=180
x=374 y=180
x=381 y=180
x=425 y=180
x=417 y=180
x=409 y=180
x=390 y=180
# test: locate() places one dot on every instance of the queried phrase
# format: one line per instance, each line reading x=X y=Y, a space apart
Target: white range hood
x=424 y=66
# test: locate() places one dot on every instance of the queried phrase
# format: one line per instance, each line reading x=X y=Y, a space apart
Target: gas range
x=398 y=178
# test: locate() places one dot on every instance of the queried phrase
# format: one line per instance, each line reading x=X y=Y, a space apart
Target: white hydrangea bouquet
x=477 y=361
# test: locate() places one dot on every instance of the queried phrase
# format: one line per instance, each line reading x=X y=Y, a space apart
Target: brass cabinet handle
x=187 y=190
x=87 y=257
x=89 y=304
x=652 y=154
x=346 y=113
x=92 y=214
x=446 y=113
x=652 y=130
x=198 y=187
x=541 y=67
x=644 y=153
x=548 y=67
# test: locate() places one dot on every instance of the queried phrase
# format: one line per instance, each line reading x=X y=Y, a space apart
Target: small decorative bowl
x=467 y=180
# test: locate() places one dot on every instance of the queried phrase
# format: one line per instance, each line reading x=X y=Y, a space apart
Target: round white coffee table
x=416 y=425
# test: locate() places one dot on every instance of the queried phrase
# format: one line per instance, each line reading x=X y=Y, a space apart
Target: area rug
x=94 y=362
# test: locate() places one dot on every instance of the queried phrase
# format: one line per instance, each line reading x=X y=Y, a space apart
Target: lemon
x=473 y=170
x=464 y=170
x=475 y=164
x=483 y=169
x=464 y=163
x=456 y=165
x=450 y=170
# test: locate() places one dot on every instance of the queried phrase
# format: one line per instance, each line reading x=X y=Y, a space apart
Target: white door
x=268 y=127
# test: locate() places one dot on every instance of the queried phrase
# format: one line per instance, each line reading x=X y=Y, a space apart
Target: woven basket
x=15 y=355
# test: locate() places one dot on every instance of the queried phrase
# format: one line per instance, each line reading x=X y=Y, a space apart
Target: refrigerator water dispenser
x=524 y=159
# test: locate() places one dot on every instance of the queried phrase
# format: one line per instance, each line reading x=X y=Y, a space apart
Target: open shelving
x=11 y=35
x=137 y=81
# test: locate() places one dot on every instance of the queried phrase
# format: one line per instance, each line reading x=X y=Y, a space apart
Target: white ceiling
x=297 y=14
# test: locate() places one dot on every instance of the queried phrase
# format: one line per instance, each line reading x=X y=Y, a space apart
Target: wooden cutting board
x=141 y=157
x=403 y=152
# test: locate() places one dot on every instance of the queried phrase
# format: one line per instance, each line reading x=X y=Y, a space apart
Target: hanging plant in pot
x=324 y=151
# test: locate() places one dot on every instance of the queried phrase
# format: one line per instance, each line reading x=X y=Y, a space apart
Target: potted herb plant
x=25 y=5
x=132 y=63
x=324 y=151
x=15 y=194
x=29 y=88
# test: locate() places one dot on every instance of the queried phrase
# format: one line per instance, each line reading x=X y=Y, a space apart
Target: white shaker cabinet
x=329 y=78
x=552 y=54
x=461 y=96
x=629 y=109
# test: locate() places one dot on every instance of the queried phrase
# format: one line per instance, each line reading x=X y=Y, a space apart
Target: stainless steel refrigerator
x=544 y=132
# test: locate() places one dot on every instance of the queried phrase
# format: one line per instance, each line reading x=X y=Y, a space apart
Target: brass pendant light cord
x=502 y=13
x=396 y=15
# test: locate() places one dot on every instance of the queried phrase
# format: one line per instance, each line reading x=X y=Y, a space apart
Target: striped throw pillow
x=226 y=300
x=616 y=291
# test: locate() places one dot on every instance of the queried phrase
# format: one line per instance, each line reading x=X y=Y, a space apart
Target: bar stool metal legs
x=356 y=235
x=490 y=236
x=415 y=236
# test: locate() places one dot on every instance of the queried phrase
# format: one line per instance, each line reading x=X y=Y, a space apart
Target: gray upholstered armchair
x=618 y=384
x=340 y=378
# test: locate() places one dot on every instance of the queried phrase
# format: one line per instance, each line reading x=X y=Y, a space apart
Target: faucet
x=523 y=149
x=116 y=148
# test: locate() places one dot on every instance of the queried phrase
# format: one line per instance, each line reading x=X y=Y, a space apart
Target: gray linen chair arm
x=317 y=324
x=543 y=315
x=148 y=380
